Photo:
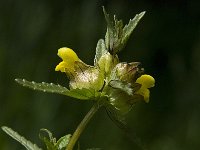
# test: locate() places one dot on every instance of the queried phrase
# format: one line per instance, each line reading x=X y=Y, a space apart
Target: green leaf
x=126 y=87
x=44 y=87
x=100 y=50
x=83 y=93
x=48 y=144
x=49 y=141
x=129 y=88
x=63 y=142
x=50 y=135
x=118 y=30
x=27 y=144
x=109 y=37
x=128 y=29
x=116 y=36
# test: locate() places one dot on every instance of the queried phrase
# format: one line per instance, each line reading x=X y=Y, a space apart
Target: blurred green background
x=166 y=41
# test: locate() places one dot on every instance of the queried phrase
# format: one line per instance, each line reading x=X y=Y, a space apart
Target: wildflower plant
x=112 y=84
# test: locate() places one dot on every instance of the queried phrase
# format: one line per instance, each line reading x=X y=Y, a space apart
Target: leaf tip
x=103 y=8
x=4 y=128
x=20 y=81
x=104 y=11
x=17 y=80
x=142 y=14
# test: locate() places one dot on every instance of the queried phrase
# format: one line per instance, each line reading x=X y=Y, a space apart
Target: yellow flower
x=69 y=57
x=146 y=81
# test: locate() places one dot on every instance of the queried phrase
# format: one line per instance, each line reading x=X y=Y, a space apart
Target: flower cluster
x=121 y=83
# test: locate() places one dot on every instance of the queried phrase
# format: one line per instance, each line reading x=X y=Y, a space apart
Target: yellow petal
x=61 y=66
x=146 y=81
x=145 y=93
x=67 y=55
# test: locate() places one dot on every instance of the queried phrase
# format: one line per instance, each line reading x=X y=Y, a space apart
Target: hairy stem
x=82 y=126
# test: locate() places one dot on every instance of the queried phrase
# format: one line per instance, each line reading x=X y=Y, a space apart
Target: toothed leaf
x=109 y=37
x=100 y=50
x=63 y=142
x=49 y=141
x=27 y=144
x=50 y=135
x=126 y=87
x=83 y=93
x=44 y=87
x=117 y=36
x=128 y=29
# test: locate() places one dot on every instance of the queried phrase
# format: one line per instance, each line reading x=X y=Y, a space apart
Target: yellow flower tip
x=146 y=94
x=61 y=67
x=69 y=57
x=146 y=81
x=67 y=54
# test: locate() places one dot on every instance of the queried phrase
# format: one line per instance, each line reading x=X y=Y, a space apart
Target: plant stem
x=82 y=126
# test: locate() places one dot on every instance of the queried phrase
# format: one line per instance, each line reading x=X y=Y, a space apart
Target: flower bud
x=107 y=62
x=126 y=72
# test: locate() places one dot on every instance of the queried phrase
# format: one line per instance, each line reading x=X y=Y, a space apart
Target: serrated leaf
x=128 y=29
x=82 y=94
x=44 y=87
x=100 y=50
x=126 y=87
x=118 y=27
x=130 y=89
x=49 y=141
x=109 y=37
x=49 y=145
x=113 y=33
x=116 y=36
x=63 y=142
x=50 y=135
x=118 y=33
x=27 y=144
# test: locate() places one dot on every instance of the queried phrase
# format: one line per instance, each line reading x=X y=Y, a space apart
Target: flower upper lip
x=69 y=57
